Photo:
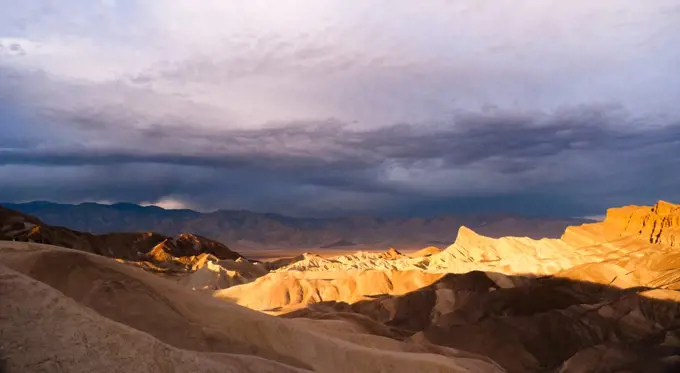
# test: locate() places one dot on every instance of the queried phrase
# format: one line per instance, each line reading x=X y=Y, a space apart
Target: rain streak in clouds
x=329 y=107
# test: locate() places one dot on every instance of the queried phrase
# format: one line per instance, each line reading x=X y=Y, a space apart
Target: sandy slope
x=65 y=310
x=283 y=291
x=44 y=331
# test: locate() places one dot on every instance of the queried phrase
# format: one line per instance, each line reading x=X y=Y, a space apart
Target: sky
x=326 y=108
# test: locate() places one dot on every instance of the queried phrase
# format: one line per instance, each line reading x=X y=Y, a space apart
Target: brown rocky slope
x=151 y=250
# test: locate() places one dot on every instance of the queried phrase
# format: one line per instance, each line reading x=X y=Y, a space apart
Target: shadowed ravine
x=541 y=325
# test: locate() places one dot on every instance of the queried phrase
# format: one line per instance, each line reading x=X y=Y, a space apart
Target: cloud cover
x=329 y=107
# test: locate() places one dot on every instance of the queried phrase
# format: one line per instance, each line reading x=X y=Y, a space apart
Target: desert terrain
x=603 y=297
x=339 y=186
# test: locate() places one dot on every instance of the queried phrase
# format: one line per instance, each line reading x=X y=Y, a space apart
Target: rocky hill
x=249 y=231
x=150 y=249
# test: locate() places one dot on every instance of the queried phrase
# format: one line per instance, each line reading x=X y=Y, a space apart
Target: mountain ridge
x=246 y=230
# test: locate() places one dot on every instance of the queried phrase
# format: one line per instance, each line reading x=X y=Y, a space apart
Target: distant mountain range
x=247 y=230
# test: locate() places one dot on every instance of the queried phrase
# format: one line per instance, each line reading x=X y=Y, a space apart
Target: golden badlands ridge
x=628 y=236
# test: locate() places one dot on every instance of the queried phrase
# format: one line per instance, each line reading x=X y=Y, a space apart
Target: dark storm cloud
x=467 y=138
x=280 y=165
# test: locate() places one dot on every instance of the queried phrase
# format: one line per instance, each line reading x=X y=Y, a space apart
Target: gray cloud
x=476 y=156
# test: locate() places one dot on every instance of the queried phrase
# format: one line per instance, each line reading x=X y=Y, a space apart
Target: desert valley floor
x=604 y=297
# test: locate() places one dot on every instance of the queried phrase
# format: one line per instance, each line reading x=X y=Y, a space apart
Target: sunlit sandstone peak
x=659 y=224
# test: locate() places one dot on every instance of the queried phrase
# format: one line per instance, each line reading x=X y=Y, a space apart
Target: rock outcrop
x=221 y=274
x=659 y=224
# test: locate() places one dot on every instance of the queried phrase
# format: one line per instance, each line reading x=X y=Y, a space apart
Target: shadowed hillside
x=528 y=323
